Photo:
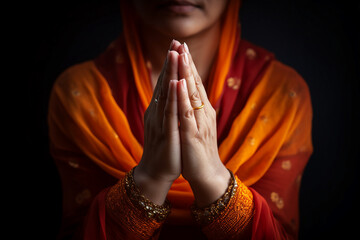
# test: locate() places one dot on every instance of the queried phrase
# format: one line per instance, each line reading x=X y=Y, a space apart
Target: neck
x=203 y=47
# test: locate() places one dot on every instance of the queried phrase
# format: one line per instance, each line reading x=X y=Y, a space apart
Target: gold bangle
x=206 y=215
x=150 y=209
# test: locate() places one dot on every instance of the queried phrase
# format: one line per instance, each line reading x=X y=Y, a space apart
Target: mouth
x=179 y=6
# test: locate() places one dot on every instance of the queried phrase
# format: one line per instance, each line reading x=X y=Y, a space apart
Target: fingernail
x=171 y=85
x=186 y=58
x=173 y=82
x=183 y=82
x=186 y=47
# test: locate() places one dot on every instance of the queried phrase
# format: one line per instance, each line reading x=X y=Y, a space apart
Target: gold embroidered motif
x=286 y=165
x=251 y=54
x=279 y=202
x=234 y=83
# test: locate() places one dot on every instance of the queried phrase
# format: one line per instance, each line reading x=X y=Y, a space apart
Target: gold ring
x=200 y=107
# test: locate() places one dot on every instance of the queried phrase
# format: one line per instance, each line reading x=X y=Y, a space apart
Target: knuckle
x=198 y=81
x=199 y=135
x=188 y=74
x=201 y=132
x=195 y=96
x=189 y=113
x=204 y=132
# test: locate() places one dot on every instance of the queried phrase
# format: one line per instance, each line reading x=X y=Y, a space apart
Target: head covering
x=181 y=193
x=86 y=122
x=219 y=71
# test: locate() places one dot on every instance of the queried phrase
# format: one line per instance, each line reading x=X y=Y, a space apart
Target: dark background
x=320 y=39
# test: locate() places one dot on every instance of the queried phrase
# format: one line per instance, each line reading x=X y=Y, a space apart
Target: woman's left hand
x=201 y=164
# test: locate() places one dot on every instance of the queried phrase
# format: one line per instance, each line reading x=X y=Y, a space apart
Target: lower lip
x=180 y=9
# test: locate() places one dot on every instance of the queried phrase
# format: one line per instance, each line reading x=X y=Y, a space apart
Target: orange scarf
x=223 y=60
x=85 y=120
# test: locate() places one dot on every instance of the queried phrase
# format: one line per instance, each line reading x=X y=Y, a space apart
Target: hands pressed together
x=180 y=134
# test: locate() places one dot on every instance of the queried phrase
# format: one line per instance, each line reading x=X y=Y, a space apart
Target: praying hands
x=180 y=134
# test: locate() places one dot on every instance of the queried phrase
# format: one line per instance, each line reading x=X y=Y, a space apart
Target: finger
x=157 y=90
x=170 y=72
x=174 y=45
x=186 y=72
x=185 y=110
x=194 y=95
x=198 y=82
x=171 y=120
x=181 y=49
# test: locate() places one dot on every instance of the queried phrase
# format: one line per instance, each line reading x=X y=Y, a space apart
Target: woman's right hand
x=160 y=164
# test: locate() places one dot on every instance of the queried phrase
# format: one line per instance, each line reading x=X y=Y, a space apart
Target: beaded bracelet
x=206 y=215
x=150 y=209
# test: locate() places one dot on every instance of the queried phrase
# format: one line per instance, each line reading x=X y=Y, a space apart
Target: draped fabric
x=264 y=131
x=222 y=63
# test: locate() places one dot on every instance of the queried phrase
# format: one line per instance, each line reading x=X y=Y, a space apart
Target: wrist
x=155 y=189
x=211 y=187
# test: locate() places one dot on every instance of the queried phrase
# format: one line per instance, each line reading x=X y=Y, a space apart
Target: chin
x=179 y=29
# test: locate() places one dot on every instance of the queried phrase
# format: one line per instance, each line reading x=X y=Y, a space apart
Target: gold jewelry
x=200 y=107
x=206 y=215
x=150 y=209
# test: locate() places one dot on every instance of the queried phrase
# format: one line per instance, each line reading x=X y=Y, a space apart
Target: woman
x=210 y=143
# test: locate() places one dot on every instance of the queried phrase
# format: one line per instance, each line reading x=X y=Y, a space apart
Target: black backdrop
x=320 y=39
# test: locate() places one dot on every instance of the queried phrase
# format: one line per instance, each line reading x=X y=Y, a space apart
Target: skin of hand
x=201 y=164
x=161 y=160
x=190 y=149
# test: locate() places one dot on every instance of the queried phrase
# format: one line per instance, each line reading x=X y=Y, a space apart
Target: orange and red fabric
x=264 y=135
